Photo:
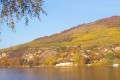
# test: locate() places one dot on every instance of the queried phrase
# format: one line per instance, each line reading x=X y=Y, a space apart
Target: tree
x=110 y=57
x=77 y=58
x=50 y=61
x=14 y=10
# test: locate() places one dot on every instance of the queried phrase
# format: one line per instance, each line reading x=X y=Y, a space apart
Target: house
x=67 y=64
x=115 y=65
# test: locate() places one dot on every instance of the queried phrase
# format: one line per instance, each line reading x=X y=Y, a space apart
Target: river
x=63 y=73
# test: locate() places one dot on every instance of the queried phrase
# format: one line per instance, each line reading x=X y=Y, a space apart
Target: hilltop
x=85 y=43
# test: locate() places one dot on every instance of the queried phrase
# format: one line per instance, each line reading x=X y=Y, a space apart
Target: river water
x=63 y=73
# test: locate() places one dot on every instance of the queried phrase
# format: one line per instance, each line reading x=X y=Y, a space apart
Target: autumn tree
x=13 y=10
x=77 y=58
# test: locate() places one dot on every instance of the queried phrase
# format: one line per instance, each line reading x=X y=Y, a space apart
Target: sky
x=62 y=15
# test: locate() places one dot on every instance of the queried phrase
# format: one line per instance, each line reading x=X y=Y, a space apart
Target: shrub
x=116 y=61
x=110 y=56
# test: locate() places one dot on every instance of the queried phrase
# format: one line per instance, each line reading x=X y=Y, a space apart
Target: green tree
x=110 y=57
x=77 y=58
x=50 y=61
x=14 y=10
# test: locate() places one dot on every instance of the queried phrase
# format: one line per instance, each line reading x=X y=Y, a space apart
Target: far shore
x=75 y=66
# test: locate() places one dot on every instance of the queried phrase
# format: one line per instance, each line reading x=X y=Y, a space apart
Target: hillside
x=91 y=39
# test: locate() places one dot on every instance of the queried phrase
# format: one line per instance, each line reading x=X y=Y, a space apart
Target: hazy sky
x=62 y=15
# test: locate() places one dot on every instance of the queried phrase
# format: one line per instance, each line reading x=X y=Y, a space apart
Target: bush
x=78 y=60
x=105 y=61
x=50 y=61
x=110 y=56
x=116 y=61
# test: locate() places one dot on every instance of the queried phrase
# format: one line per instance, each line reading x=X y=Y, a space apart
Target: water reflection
x=81 y=73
